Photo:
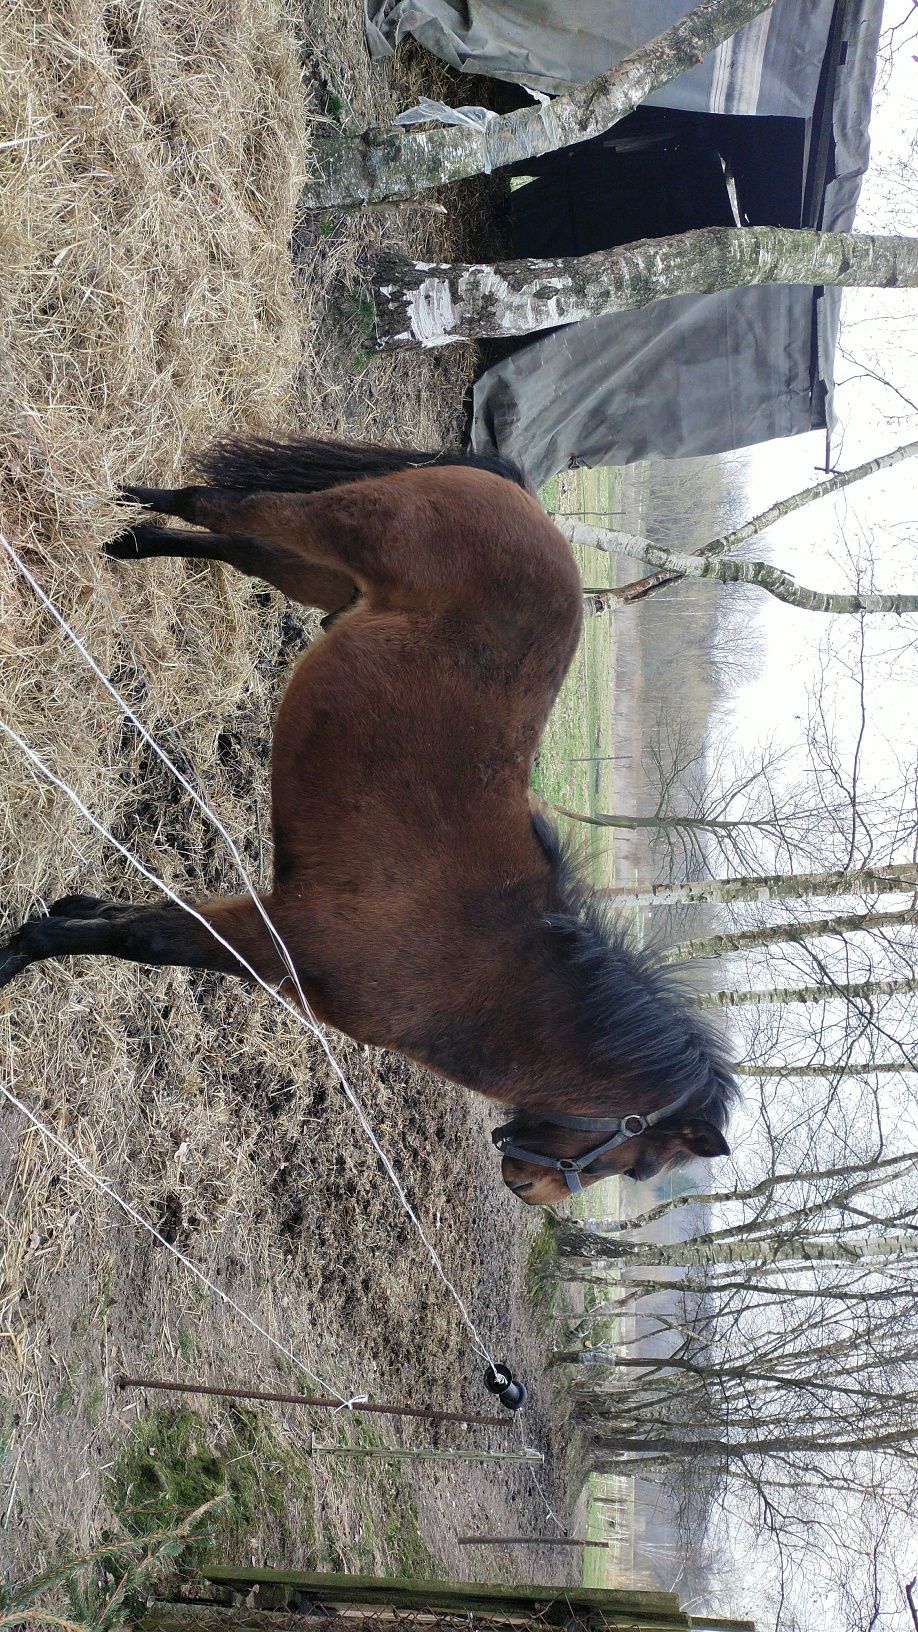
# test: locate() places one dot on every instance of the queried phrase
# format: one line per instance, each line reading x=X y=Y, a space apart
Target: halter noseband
x=621 y=1128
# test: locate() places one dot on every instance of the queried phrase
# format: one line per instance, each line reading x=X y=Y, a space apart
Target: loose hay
x=148 y=182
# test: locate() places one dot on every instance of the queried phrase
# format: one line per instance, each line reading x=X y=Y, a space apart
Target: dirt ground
x=151 y=298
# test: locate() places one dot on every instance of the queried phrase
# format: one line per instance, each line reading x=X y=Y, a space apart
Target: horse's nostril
x=519 y=1188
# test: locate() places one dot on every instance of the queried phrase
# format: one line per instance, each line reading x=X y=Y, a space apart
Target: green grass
x=582 y=721
x=174 y=1462
x=388 y=1528
x=542 y=1284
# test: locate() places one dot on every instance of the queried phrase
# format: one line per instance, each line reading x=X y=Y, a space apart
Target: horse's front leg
x=80 y=926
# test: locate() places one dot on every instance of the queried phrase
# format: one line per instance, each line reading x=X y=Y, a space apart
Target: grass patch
x=175 y=1462
x=385 y=1534
x=542 y=1286
x=572 y=769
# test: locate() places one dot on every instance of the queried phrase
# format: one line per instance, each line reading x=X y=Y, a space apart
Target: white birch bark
x=628 y=594
x=829 y=992
x=421 y=303
x=762 y=574
x=658 y=824
x=385 y=166
x=855 y=1178
x=744 y=940
x=835 y=1249
x=895 y=878
x=845 y=1068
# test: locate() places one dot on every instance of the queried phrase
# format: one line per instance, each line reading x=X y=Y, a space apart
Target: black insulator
x=500 y=1380
x=497 y=1378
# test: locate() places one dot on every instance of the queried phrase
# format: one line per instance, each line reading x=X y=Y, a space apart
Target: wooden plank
x=201 y=1617
x=652 y=1605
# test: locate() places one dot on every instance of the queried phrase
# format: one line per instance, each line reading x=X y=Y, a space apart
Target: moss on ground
x=175 y=1461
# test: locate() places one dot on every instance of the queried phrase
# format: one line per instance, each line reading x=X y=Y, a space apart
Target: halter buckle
x=568 y=1164
x=632 y=1132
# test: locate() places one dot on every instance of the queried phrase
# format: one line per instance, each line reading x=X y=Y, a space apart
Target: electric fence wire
x=302 y=1014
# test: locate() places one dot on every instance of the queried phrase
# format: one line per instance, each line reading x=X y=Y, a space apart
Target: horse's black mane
x=633 y=1013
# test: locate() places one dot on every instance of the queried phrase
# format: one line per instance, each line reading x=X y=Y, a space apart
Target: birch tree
x=725 y=544
x=729 y=806
x=387 y=166
x=893 y=878
x=435 y=304
x=672 y=565
x=770 y=935
x=764 y=1363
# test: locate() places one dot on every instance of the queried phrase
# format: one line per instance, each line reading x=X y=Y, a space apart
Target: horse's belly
x=382 y=745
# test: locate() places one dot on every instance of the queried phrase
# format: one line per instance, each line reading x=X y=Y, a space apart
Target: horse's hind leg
x=287 y=570
x=383 y=536
x=80 y=926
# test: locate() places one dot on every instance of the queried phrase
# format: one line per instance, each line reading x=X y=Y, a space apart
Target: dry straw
x=151 y=155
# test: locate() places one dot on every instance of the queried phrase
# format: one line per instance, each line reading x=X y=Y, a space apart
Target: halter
x=621 y=1128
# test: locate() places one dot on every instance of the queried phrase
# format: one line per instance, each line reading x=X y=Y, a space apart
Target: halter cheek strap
x=620 y=1128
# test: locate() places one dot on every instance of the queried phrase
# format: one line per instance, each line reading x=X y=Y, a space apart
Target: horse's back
x=454 y=538
x=416 y=718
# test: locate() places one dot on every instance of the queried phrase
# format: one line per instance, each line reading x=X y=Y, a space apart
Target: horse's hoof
x=146 y=496
x=75 y=906
x=126 y=547
x=11 y=964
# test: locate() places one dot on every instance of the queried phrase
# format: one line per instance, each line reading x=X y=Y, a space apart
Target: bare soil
x=159 y=287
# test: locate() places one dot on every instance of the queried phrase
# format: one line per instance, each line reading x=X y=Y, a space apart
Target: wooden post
x=404 y=1453
x=527 y=1541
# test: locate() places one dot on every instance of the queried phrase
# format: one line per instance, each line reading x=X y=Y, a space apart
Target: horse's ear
x=702 y=1138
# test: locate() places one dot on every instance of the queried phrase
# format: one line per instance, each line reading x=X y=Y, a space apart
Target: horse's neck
x=539 y=1057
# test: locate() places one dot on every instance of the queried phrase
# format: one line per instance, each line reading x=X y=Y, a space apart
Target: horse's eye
x=630 y=1173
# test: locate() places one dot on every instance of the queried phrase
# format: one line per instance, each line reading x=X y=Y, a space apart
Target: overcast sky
x=878 y=517
x=874 y=524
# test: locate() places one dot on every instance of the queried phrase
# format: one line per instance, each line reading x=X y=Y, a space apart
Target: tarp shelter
x=770 y=130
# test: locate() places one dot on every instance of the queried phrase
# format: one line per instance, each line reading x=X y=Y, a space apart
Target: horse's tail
x=260 y=464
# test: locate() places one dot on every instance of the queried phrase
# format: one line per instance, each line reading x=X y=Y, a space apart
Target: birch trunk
x=829 y=992
x=896 y=878
x=704 y=824
x=864 y=1176
x=704 y=1254
x=718 y=1449
x=716 y=946
x=385 y=166
x=420 y=303
x=849 y=1068
x=628 y=594
x=672 y=565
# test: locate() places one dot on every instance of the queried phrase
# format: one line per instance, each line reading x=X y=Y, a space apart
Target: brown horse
x=427 y=907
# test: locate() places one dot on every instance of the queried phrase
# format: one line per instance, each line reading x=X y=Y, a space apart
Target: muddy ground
x=204 y=1106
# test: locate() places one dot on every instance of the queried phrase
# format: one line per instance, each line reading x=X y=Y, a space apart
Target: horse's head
x=546 y=1161
x=626 y=1075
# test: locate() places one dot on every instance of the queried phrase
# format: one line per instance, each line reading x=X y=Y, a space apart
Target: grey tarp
x=770 y=67
x=679 y=377
x=697 y=374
